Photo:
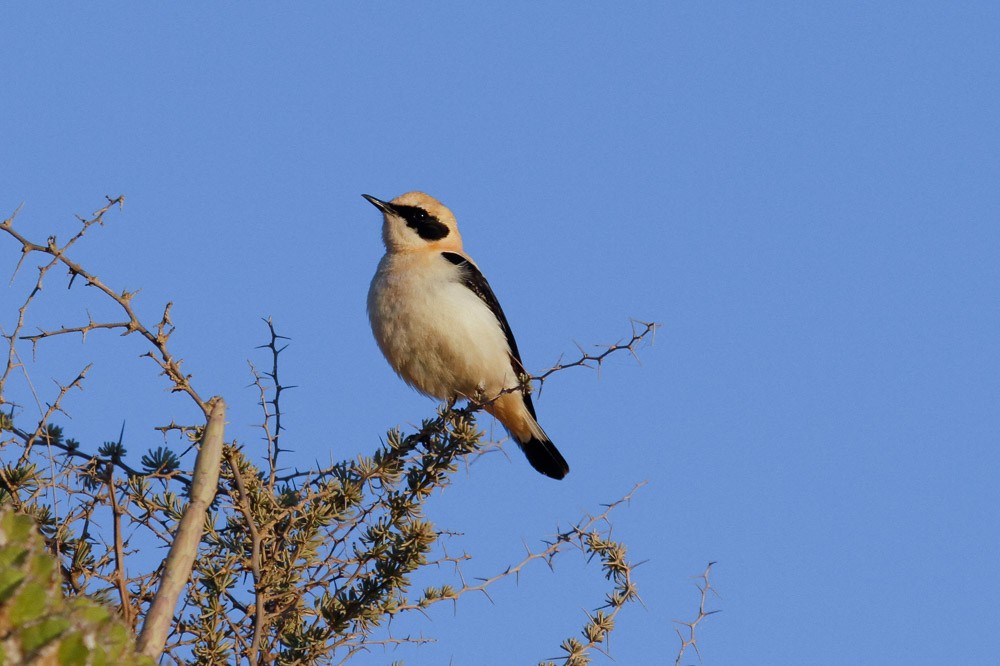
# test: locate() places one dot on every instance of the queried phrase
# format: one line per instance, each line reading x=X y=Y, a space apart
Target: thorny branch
x=260 y=595
x=641 y=332
x=692 y=641
x=266 y=405
x=24 y=477
x=574 y=537
x=170 y=366
x=13 y=362
x=56 y=406
x=120 y=575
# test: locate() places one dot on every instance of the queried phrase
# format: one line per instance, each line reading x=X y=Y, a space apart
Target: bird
x=440 y=326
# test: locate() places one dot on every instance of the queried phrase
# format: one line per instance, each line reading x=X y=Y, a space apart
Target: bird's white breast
x=435 y=332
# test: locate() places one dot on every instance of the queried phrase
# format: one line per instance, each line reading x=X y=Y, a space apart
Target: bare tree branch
x=691 y=640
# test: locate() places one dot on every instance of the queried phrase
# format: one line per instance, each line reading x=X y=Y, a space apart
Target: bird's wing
x=472 y=278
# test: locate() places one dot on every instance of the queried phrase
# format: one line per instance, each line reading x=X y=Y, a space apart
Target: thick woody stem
x=177 y=567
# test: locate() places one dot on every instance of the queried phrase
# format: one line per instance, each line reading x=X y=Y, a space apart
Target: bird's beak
x=383 y=206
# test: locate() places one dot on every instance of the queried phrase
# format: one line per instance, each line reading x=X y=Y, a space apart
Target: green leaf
x=15 y=528
x=117 y=640
x=43 y=568
x=9 y=580
x=29 y=603
x=98 y=657
x=90 y=612
x=39 y=635
x=161 y=460
x=73 y=651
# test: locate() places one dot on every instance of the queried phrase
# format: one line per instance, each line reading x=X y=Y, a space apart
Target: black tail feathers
x=545 y=457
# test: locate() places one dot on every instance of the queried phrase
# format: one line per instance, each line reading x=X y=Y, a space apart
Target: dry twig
x=692 y=640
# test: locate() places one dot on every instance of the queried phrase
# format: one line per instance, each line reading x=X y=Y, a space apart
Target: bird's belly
x=440 y=338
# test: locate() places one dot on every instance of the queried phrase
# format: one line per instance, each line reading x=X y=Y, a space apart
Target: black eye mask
x=426 y=225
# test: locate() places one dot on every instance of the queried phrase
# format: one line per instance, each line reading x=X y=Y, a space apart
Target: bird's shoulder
x=474 y=280
x=468 y=273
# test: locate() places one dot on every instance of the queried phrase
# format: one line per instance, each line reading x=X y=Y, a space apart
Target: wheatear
x=439 y=325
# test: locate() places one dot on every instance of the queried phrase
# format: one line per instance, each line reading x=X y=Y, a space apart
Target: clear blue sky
x=805 y=197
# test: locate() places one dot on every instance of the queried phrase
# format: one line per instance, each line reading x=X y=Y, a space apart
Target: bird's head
x=417 y=221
